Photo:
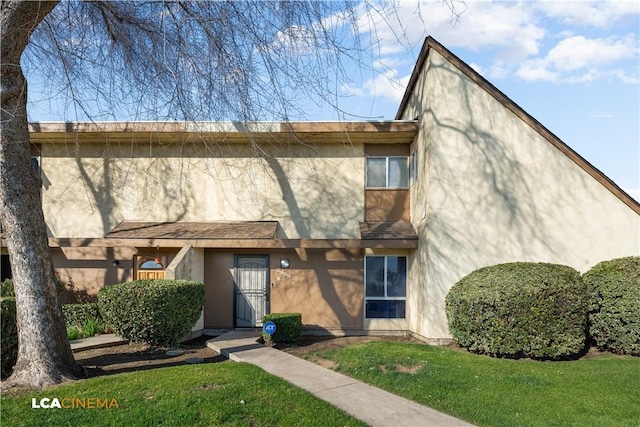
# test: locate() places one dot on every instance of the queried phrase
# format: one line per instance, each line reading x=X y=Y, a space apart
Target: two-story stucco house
x=362 y=227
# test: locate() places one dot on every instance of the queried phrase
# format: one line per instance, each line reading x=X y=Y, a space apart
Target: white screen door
x=251 y=290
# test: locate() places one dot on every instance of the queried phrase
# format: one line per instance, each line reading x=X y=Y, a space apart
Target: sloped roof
x=387 y=230
x=194 y=230
x=431 y=44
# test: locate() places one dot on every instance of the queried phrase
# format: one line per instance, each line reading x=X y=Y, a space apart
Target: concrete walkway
x=98 y=341
x=372 y=405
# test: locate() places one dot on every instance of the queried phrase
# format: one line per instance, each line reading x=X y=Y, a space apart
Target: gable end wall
x=492 y=189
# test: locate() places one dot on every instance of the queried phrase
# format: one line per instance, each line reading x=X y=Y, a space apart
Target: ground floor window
x=385 y=287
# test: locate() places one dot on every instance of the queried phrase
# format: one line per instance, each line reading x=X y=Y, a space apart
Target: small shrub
x=79 y=314
x=614 y=305
x=8 y=336
x=520 y=310
x=74 y=333
x=156 y=312
x=90 y=328
x=288 y=327
x=6 y=289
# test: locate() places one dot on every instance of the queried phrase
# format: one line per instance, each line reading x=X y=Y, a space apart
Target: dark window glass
x=385 y=309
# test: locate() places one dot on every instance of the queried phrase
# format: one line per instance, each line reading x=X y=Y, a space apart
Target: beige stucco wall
x=89 y=188
x=188 y=264
x=325 y=286
x=91 y=268
x=492 y=190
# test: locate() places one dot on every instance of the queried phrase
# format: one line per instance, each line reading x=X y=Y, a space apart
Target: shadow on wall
x=497 y=190
x=85 y=271
x=325 y=286
x=325 y=196
x=311 y=191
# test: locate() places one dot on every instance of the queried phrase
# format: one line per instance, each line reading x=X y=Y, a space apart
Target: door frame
x=267 y=288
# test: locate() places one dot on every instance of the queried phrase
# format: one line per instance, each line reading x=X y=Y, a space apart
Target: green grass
x=89 y=328
x=600 y=391
x=191 y=395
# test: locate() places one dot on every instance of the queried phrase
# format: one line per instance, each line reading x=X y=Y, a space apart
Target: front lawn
x=598 y=391
x=212 y=394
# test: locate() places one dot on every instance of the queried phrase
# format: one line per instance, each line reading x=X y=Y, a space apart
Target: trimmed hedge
x=8 y=336
x=77 y=315
x=6 y=289
x=518 y=310
x=156 y=312
x=288 y=327
x=614 y=305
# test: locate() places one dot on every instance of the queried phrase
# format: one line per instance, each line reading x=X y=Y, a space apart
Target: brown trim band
x=238 y=244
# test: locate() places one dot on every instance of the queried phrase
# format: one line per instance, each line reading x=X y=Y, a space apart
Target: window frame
x=386 y=296
x=140 y=259
x=387 y=168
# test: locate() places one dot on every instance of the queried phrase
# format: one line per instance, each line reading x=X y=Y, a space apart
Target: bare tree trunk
x=44 y=354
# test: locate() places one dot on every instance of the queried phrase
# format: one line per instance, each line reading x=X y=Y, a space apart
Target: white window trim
x=386 y=175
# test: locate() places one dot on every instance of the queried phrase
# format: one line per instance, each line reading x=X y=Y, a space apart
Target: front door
x=251 y=290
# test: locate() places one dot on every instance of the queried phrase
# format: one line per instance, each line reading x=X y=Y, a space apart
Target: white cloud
x=515 y=36
x=579 y=59
x=293 y=40
x=599 y=14
x=633 y=192
x=509 y=26
x=578 y=52
x=479 y=69
x=535 y=70
x=384 y=85
x=499 y=70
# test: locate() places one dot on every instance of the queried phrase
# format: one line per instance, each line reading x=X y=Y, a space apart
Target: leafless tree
x=151 y=60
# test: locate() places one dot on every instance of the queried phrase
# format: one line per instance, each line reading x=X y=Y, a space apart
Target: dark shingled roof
x=387 y=230
x=195 y=230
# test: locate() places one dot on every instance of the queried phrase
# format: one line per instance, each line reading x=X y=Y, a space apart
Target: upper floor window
x=388 y=172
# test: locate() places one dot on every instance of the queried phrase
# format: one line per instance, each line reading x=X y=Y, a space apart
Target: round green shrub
x=288 y=327
x=156 y=312
x=8 y=336
x=614 y=305
x=515 y=310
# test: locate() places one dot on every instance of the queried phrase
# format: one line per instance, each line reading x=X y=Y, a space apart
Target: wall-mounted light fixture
x=284 y=262
x=116 y=263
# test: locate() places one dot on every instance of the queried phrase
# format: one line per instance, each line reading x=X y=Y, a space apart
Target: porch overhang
x=369 y=132
x=237 y=243
x=240 y=235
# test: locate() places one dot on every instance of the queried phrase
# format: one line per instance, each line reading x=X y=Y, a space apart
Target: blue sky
x=573 y=65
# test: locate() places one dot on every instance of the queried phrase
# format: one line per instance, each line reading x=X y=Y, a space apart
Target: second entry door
x=251 y=290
